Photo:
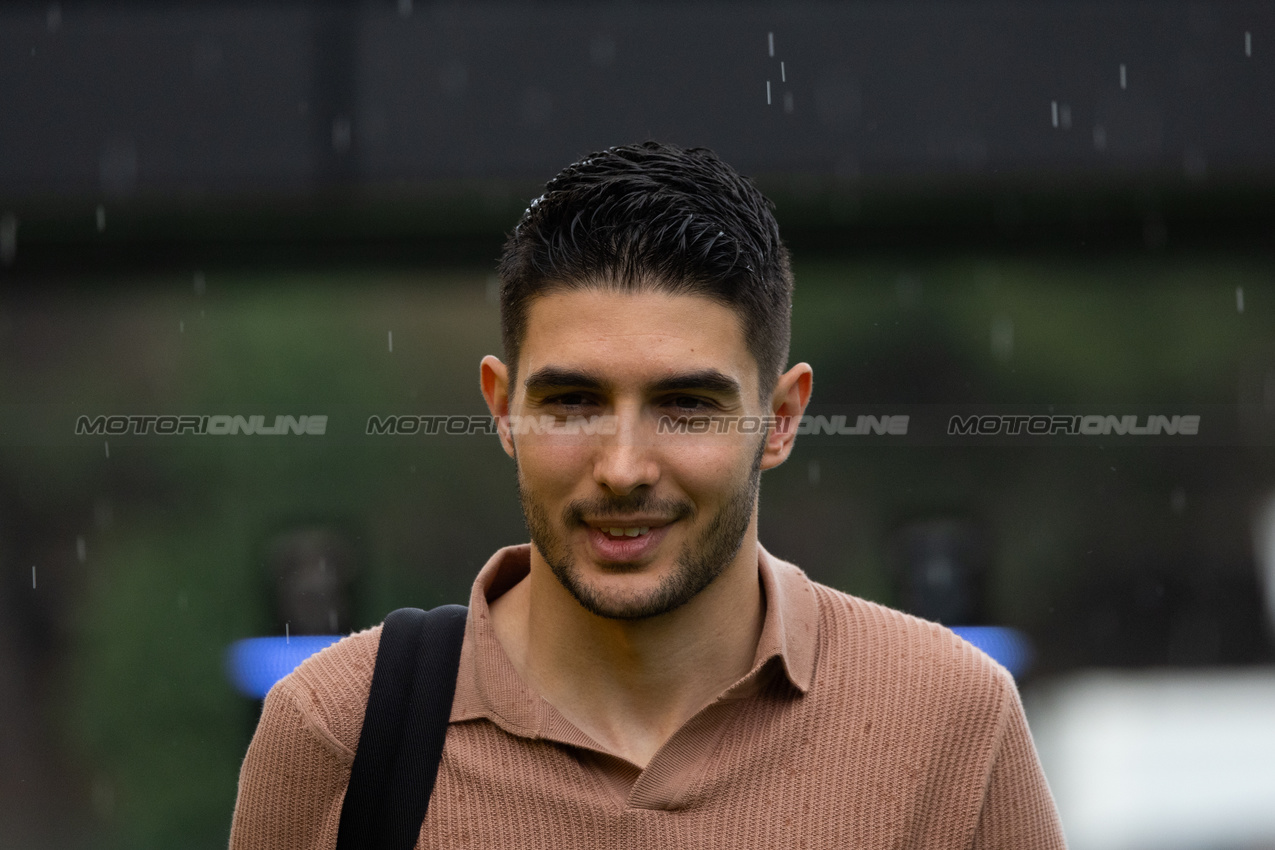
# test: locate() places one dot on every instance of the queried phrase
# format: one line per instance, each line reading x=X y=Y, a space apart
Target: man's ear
x=787 y=405
x=493 y=378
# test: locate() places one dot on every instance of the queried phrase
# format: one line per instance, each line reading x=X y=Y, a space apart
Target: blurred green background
x=1103 y=554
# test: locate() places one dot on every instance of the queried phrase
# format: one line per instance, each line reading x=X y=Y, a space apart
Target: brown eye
x=570 y=400
x=690 y=404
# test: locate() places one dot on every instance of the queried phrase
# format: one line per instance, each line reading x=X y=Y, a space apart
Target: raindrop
x=405 y=8
x=341 y=134
x=1003 y=338
x=1099 y=137
x=33 y=576
x=53 y=18
x=812 y=472
x=1053 y=109
x=1239 y=299
x=770 y=43
x=181 y=327
x=106 y=445
x=81 y=551
x=1248 y=44
x=101 y=218
x=8 y=238
x=768 y=92
x=391 y=341
x=287 y=636
x=783 y=74
x=1124 y=79
x=332 y=619
x=201 y=284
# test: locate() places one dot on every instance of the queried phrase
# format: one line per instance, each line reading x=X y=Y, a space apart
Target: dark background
x=228 y=208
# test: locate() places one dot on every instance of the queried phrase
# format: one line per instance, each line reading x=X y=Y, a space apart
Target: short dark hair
x=654 y=217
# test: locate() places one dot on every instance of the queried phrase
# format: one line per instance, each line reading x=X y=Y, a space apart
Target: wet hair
x=654 y=217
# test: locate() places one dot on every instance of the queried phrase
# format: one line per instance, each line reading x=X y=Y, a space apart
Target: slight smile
x=625 y=539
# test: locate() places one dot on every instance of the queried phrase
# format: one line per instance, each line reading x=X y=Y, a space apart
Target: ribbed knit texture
x=907 y=737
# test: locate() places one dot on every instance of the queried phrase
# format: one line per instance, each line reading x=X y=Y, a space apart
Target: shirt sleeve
x=1018 y=811
x=292 y=783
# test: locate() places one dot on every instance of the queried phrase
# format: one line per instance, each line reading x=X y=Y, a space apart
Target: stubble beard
x=699 y=563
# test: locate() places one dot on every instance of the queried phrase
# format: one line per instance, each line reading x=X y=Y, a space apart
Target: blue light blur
x=1008 y=647
x=253 y=665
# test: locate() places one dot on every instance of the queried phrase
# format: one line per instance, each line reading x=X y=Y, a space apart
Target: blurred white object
x=1264 y=550
x=1159 y=759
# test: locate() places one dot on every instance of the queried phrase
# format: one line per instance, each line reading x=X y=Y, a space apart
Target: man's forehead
x=643 y=331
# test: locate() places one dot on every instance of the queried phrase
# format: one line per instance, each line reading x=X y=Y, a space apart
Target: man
x=644 y=673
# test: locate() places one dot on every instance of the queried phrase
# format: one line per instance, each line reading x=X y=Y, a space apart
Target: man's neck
x=630 y=684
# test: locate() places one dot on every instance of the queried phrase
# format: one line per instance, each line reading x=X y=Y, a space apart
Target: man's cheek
x=554 y=466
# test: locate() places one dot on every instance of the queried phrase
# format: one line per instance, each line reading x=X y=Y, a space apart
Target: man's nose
x=626 y=460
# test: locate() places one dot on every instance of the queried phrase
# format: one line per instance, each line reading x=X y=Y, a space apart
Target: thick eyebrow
x=555 y=378
x=705 y=380
x=552 y=378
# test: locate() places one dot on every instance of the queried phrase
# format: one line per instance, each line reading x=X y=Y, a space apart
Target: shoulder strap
x=404 y=727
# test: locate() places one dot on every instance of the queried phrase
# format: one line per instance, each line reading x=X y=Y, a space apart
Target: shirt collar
x=488 y=686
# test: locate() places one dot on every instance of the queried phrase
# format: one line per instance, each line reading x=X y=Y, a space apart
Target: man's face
x=634 y=522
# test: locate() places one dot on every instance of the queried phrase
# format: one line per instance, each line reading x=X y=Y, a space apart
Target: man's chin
x=619 y=590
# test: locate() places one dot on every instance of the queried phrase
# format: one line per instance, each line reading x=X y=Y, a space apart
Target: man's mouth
x=618 y=532
x=624 y=539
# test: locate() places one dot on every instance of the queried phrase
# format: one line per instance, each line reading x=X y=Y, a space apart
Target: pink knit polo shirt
x=857 y=726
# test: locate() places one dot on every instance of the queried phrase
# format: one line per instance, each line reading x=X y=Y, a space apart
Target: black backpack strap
x=404 y=728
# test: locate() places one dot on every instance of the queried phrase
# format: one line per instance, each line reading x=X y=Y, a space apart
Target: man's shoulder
x=330 y=689
x=871 y=639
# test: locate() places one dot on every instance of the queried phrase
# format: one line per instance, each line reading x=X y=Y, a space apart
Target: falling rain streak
x=101 y=218
x=1248 y=44
x=770 y=43
x=33 y=576
x=1124 y=79
x=783 y=74
x=768 y=92
x=1239 y=299
x=80 y=550
x=106 y=445
x=1060 y=115
x=391 y=341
